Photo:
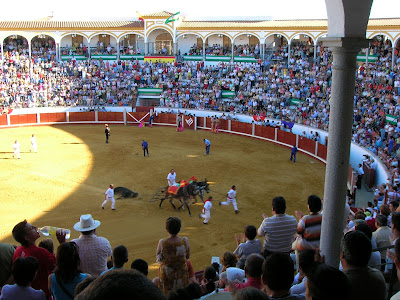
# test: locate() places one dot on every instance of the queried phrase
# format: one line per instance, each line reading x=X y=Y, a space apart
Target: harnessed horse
x=181 y=193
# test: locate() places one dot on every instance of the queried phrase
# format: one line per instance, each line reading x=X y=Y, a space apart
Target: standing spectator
x=293 y=153
x=66 y=275
x=172 y=254
x=366 y=282
x=24 y=271
x=207 y=210
x=382 y=236
x=145 y=147
x=207 y=143
x=249 y=243
x=231 y=198
x=93 y=250
x=33 y=144
x=26 y=234
x=6 y=255
x=279 y=230
x=360 y=173
x=109 y=196
x=16 y=149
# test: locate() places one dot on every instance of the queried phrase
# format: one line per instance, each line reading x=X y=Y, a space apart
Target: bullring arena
x=73 y=168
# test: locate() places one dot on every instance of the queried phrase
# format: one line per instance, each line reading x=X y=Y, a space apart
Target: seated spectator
x=366 y=282
x=374 y=261
x=397 y=263
x=26 y=234
x=250 y=293
x=141 y=266
x=66 y=276
x=327 y=283
x=93 y=250
x=24 y=271
x=190 y=292
x=382 y=236
x=228 y=260
x=47 y=244
x=208 y=282
x=6 y=255
x=121 y=284
x=249 y=243
x=306 y=266
x=84 y=284
x=253 y=272
x=119 y=258
x=278 y=276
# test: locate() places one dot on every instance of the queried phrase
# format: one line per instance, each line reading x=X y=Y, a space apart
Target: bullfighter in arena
x=109 y=196
x=107 y=132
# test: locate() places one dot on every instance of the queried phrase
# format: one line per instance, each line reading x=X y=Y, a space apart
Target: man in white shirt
x=33 y=144
x=206 y=210
x=360 y=173
x=171 y=178
x=109 y=196
x=231 y=198
x=16 y=149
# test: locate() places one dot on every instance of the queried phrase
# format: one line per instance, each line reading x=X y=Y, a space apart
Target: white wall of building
x=215 y=39
x=184 y=44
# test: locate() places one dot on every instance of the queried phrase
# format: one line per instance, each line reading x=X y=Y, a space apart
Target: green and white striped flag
x=391 y=119
x=174 y=17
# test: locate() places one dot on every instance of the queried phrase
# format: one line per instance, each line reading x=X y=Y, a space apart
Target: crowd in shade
x=278 y=260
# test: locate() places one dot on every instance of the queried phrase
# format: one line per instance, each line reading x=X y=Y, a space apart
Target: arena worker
x=171 y=177
x=231 y=198
x=109 y=196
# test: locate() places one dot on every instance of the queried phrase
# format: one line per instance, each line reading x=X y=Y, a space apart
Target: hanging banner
x=162 y=59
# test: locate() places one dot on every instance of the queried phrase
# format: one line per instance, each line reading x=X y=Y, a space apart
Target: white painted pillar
x=37 y=118
x=345 y=52
x=146 y=48
x=195 y=123
x=175 y=46
x=8 y=120
x=393 y=57
x=125 y=118
x=96 y=116
x=2 y=57
x=288 y=58
x=232 y=47
x=297 y=141
x=276 y=134
x=262 y=51
x=67 y=116
x=204 y=51
x=229 y=125
x=253 y=128
x=315 y=54
x=366 y=56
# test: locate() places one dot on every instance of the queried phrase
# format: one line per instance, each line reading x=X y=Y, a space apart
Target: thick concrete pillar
x=175 y=47
x=146 y=48
x=288 y=57
x=262 y=49
x=204 y=51
x=393 y=57
x=340 y=127
x=315 y=53
x=233 y=46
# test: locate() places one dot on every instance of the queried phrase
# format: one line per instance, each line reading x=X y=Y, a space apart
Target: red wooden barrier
x=322 y=151
x=110 y=116
x=208 y=122
x=23 y=119
x=171 y=119
x=3 y=119
x=235 y=126
x=307 y=145
x=266 y=131
x=223 y=124
x=286 y=137
x=200 y=121
x=188 y=122
x=81 y=116
x=161 y=118
x=53 y=117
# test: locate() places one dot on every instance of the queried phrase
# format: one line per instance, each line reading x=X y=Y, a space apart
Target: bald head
x=253 y=265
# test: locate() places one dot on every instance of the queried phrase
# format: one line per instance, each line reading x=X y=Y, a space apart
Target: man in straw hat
x=93 y=250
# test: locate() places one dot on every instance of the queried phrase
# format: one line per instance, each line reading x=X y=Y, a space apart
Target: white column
x=340 y=127
x=288 y=57
x=175 y=49
x=253 y=129
x=262 y=49
x=393 y=57
x=315 y=53
x=233 y=45
x=146 y=48
x=204 y=51
x=37 y=118
x=195 y=123
x=2 y=58
x=96 y=116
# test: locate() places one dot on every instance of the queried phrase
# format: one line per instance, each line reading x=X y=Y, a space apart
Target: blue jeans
x=208 y=149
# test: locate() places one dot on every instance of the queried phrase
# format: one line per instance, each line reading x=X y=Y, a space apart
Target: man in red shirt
x=26 y=234
x=253 y=271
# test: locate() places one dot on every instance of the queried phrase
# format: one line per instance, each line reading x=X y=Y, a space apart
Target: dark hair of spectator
x=381 y=220
x=385 y=210
x=216 y=265
x=210 y=277
x=140 y=265
x=359 y=215
x=279 y=205
x=364 y=227
x=121 y=284
x=356 y=248
x=47 y=244
x=229 y=259
x=250 y=232
x=241 y=263
x=278 y=272
x=396 y=220
x=250 y=293
x=189 y=292
x=120 y=256
x=173 y=225
x=326 y=283
x=19 y=233
x=307 y=260
x=314 y=203
x=253 y=266
x=395 y=204
x=84 y=284
x=67 y=262
x=397 y=250
x=24 y=270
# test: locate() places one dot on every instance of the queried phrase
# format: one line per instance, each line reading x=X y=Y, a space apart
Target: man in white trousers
x=33 y=144
x=231 y=198
x=16 y=149
x=109 y=196
x=206 y=210
x=171 y=178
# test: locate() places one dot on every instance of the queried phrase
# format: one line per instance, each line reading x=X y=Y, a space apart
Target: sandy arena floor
x=73 y=168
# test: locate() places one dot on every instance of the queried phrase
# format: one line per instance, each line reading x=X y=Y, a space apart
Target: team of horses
x=184 y=193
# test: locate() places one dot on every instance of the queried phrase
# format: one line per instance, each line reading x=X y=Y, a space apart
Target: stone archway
x=160 y=42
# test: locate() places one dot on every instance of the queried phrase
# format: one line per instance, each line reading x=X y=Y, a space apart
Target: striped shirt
x=309 y=229
x=278 y=232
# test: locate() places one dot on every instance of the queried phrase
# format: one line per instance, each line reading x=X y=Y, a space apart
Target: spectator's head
x=173 y=225
x=67 y=261
x=364 y=227
x=314 y=204
x=229 y=259
x=121 y=284
x=250 y=232
x=326 y=283
x=397 y=256
x=356 y=250
x=253 y=266
x=24 y=270
x=279 y=205
x=393 y=206
x=306 y=261
x=359 y=215
x=120 y=256
x=380 y=221
x=396 y=224
x=25 y=233
x=84 y=284
x=189 y=292
x=140 y=265
x=241 y=263
x=87 y=225
x=250 y=293
x=47 y=244
x=278 y=274
x=385 y=210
